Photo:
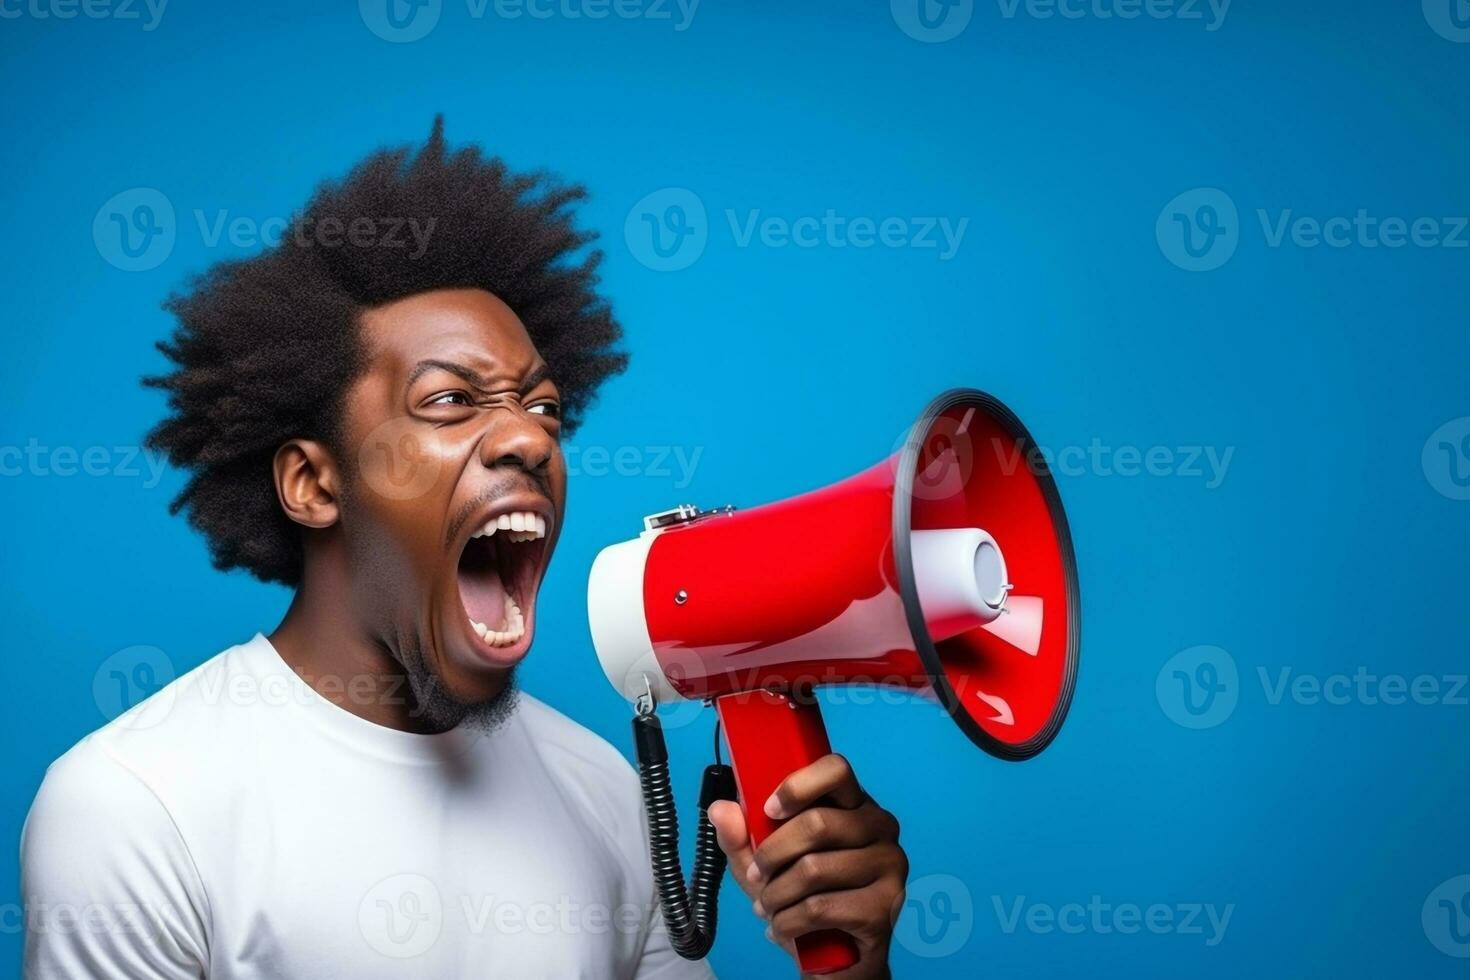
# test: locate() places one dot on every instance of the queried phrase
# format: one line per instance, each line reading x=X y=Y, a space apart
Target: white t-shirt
x=239 y=825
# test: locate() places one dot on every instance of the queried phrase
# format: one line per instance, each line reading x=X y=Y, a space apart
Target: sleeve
x=110 y=889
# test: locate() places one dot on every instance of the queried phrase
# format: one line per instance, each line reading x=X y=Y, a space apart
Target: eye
x=546 y=408
x=451 y=398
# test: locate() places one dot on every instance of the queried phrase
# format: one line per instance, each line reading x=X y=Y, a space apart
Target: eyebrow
x=532 y=379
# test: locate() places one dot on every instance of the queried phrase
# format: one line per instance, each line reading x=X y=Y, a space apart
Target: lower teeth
x=514 y=626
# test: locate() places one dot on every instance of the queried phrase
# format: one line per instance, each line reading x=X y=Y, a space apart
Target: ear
x=307 y=483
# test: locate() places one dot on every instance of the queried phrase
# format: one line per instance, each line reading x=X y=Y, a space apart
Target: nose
x=515 y=439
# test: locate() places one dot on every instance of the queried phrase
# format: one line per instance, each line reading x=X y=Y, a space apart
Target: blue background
x=1328 y=546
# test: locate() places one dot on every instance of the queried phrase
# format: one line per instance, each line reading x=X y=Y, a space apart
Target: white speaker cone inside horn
x=960 y=576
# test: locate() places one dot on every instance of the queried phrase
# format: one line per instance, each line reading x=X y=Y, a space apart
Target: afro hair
x=266 y=347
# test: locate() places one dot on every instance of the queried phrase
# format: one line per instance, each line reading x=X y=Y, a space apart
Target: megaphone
x=946 y=570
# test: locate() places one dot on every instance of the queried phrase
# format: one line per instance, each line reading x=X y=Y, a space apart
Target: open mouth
x=497 y=577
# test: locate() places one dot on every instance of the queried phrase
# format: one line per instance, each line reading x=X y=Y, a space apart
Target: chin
x=453 y=694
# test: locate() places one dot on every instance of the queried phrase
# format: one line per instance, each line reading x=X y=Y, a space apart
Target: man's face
x=455 y=487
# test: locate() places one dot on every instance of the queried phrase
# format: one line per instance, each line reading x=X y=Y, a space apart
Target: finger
x=821 y=828
x=830 y=776
x=852 y=911
x=825 y=871
x=733 y=837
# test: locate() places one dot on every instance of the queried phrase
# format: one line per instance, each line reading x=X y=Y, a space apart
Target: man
x=371 y=414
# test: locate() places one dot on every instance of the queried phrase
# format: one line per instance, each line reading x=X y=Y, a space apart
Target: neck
x=329 y=648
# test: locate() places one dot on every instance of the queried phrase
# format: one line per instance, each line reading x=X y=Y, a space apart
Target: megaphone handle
x=771 y=736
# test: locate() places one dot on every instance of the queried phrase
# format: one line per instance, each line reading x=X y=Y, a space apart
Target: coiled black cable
x=689 y=910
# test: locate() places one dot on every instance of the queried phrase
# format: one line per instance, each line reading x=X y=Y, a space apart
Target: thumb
x=733 y=837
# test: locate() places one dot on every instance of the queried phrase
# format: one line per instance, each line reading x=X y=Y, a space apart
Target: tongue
x=483 y=594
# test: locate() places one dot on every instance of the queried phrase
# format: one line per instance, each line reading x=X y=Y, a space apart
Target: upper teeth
x=520 y=525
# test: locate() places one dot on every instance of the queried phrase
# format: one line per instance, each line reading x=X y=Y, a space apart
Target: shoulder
x=586 y=767
x=86 y=784
x=577 y=743
x=117 y=780
x=124 y=776
x=98 y=842
x=174 y=736
x=576 y=750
